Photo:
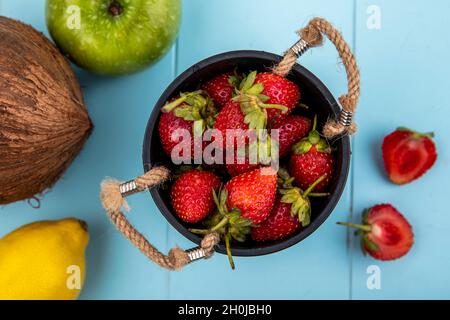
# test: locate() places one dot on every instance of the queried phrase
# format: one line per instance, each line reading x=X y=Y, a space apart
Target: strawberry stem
x=362 y=227
x=200 y=231
x=172 y=105
x=314 y=128
x=417 y=134
x=318 y=194
x=228 y=247
x=311 y=187
x=221 y=224
x=274 y=106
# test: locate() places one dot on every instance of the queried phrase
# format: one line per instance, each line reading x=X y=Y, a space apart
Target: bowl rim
x=320 y=218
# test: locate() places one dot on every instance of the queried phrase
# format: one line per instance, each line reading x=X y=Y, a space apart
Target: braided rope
x=313 y=34
x=113 y=202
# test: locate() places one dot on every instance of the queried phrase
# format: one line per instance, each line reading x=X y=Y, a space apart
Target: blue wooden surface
x=404 y=76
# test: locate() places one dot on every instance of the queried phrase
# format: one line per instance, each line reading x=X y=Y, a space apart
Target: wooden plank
x=319 y=266
x=405 y=83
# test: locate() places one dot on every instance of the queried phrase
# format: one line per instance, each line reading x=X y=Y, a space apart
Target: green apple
x=113 y=37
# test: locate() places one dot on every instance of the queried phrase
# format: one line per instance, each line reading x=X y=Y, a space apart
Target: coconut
x=43 y=120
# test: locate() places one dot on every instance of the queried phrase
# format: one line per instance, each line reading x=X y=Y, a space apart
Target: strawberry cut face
x=407 y=155
x=391 y=233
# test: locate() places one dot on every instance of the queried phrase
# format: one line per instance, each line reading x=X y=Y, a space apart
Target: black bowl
x=314 y=94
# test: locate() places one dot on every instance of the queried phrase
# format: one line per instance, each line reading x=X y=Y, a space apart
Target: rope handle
x=312 y=36
x=113 y=194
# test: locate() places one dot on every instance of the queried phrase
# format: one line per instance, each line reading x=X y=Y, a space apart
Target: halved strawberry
x=408 y=155
x=385 y=233
x=221 y=88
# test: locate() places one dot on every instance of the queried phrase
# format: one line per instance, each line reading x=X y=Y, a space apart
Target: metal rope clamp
x=129 y=188
x=299 y=48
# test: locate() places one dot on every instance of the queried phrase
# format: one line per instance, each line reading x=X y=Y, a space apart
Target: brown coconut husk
x=43 y=120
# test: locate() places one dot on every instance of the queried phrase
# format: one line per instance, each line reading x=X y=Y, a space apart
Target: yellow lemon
x=44 y=260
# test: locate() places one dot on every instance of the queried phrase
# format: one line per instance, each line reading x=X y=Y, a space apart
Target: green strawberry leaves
x=252 y=101
x=228 y=223
x=313 y=139
x=193 y=106
x=299 y=199
x=301 y=207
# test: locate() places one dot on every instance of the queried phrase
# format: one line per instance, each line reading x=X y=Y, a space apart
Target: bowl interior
x=313 y=94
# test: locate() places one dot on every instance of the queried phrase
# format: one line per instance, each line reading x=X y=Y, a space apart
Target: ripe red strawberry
x=236 y=168
x=244 y=201
x=230 y=118
x=190 y=111
x=279 y=224
x=291 y=210
x=253 y=194
x=408 y=155
x=221 y=88
x=192 y=195
x=291 y=130
x=280 y=91
x=311 y=159
x=386 y=234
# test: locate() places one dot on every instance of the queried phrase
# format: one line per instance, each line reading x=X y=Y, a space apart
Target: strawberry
x=385 y=233
x=231 y=118
x=240 y=166
x=311 y=159
x=190 y=111
x=253 y=193
x=408 y=155
x=279 y=224
x=291 y=130
x=192 y=195
x=254 y=104
x=221 y=88
x=244 y=201
x=250 y=157
x=291 y=211
x=280 y=91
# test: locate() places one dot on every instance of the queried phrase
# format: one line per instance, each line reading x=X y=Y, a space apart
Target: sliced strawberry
x=408 y=155
x=385 y=233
